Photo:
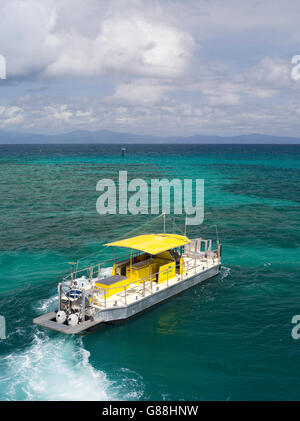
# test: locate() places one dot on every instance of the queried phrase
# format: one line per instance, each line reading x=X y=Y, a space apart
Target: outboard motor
x=61 y=316
x=73 y=320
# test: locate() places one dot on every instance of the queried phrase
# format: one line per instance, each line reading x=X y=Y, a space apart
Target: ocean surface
x=228 y=339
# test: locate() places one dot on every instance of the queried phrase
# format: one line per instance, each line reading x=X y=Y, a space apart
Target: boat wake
x=59 y=369
x=224 y=279
x=49 y=304
x=52 y=369
x=225 y=271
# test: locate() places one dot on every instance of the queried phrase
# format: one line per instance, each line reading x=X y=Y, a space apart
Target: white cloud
x=59 y=113
x=140 y=92
x=272 y=71
x=34 y=38
x=156 y=66
x=132 y=45
x=26 y=37
x=11 y=116
x=42 y=114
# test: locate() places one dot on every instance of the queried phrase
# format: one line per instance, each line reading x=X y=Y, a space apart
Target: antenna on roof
x=164 y=216
x=217 y=233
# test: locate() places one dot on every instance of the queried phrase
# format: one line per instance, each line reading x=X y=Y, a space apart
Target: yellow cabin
x=157 y=260
x=112 y=285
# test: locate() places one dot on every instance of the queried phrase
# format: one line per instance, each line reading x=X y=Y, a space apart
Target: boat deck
x=135 y=292
x=135 y=296
x=48 y=321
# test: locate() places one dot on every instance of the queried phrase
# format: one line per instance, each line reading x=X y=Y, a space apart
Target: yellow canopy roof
x=152 y=243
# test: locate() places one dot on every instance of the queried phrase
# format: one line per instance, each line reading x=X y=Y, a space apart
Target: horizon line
x=294 y=137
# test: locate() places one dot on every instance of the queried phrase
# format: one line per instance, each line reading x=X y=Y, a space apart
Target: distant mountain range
x=106 y=136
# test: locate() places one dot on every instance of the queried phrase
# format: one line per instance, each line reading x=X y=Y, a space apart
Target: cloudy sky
x=160 y=67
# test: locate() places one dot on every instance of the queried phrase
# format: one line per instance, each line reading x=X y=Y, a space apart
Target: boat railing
x=150 y=286
x=89 y=271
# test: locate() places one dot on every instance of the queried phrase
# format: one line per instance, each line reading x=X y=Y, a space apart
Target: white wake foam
x=225 y=271
x=49 y=304
x=58 y=368
x=53 y=369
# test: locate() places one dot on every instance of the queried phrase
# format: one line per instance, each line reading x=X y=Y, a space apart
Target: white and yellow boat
x=158 y=267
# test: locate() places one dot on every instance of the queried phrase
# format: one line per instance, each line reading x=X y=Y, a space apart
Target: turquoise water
x=229 y=338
